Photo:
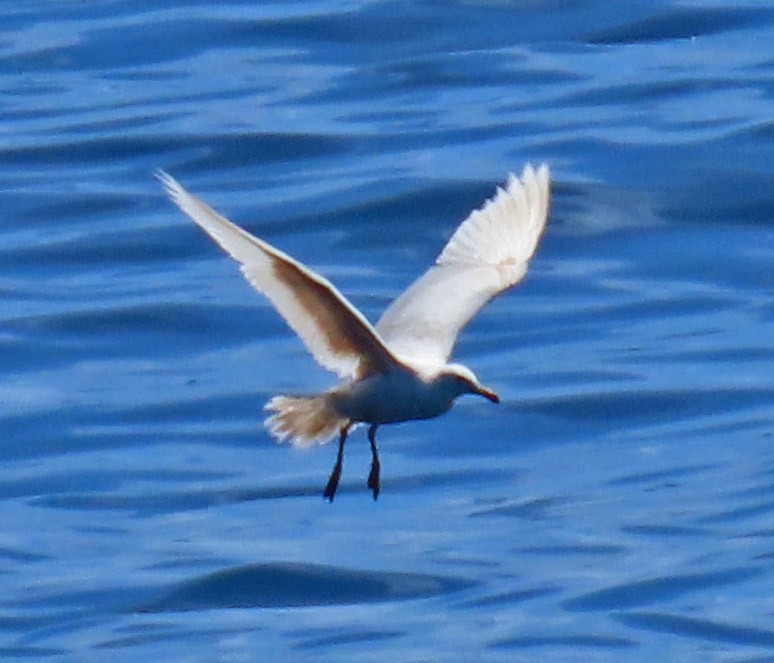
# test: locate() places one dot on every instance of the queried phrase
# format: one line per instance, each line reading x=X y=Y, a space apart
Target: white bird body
x=398 y=370
x=400 y=395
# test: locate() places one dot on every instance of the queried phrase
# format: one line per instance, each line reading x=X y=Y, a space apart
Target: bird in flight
x=399 y=369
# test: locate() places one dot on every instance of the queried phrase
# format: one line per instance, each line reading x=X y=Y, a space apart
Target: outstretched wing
x=487 y=254
x=337 y=334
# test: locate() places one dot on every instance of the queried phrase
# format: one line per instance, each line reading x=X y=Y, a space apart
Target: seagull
x=399 y=369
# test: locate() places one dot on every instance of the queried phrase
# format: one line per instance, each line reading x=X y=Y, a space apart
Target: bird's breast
x=390 y=398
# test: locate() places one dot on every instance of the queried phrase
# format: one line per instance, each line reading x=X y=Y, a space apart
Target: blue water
x=618 y=505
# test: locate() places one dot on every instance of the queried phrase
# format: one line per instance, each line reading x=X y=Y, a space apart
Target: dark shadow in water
x=699 y=628
x=345 y=638
x=578 y=641
x=683 y=24
x=656 y=590
x=286 y=585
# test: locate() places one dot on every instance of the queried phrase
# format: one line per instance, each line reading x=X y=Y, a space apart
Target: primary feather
x=334 y=331
x=487 y=254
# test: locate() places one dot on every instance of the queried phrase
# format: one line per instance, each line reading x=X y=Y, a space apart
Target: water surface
x=618 y=505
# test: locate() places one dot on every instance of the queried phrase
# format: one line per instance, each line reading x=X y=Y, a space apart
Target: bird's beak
x=488 y=394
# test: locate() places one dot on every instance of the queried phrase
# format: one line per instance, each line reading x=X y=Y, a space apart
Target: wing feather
x=337 y=334
x=487 y=254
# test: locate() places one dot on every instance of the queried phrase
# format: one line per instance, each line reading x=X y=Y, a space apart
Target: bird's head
x=461 y=380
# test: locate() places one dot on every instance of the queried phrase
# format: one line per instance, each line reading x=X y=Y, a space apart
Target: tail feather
x=303 y=420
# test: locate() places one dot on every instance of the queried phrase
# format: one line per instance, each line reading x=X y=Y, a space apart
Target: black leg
x=333 y=482
x=373 y=476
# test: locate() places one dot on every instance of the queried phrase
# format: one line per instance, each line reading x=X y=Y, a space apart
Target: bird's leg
x=333 y=481
x=373 y=476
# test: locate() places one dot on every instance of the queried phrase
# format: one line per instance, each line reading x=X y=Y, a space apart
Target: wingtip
x=175 y=191
x=169 y=183
x=529 y=172
x=543 y=173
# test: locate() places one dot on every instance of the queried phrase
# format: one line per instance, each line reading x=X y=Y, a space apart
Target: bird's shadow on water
x=288 y=585
x=253 y=586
